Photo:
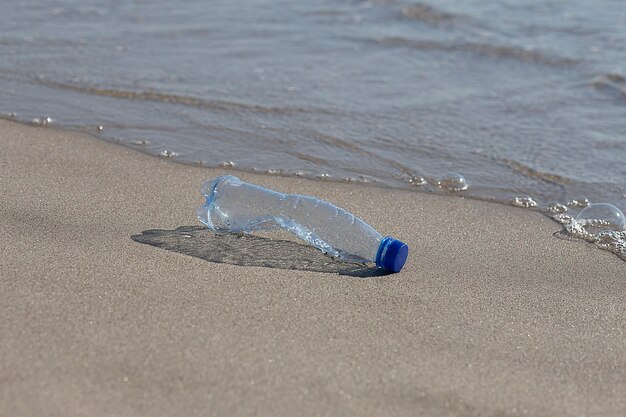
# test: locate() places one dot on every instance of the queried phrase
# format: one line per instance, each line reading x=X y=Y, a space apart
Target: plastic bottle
x=234 y=206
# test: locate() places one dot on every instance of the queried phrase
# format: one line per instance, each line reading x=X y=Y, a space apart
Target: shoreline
x=478 y=193
x=492 y=314
x=429 y=188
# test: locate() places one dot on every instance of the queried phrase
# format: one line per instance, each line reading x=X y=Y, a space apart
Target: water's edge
x=424 y=187
x=558 y=212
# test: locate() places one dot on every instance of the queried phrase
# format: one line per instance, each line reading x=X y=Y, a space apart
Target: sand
x=492 y=315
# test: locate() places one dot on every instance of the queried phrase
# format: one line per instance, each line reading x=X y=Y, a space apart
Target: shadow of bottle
x=251 y=250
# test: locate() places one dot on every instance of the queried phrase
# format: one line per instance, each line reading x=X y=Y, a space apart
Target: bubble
x=578 y=202
x=452 y=182
x=563 y=218
x=601 y=224
x=100 y=128
x=600 y=217
x=168 y=154
x=524 y=201
x=360 y=179
x=557 y=208
x=417 y=180
x=43 y=121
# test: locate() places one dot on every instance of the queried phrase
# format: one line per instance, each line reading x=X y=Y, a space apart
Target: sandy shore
x=492 y=316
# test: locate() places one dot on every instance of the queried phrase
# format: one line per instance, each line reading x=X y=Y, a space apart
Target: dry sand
x=492 y=316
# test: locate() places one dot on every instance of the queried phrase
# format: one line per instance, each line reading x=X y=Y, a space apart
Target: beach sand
x=492 y=315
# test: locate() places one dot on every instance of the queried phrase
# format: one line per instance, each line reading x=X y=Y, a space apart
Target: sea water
x=522 y=102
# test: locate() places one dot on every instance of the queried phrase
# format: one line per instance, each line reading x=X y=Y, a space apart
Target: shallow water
x=521 y=98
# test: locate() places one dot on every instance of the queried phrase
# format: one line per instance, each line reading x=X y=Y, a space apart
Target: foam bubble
x=578 y=202
x=557 y=208
x=360 y=179
x=600 y=217
x=168 y=154
x=601 y=224
x=524 y=201
x=452 y=182
x=417 y=180
x=563 y=218
x=43 y=121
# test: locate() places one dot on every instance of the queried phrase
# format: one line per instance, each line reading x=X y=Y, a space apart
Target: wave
x=612 y=83
x=533 y=173
x=190 y=101
x=426 y=13
x=497 y=51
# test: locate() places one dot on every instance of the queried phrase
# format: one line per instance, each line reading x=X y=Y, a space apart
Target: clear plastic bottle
x=234 y=206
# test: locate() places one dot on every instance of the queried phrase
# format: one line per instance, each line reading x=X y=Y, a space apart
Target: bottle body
x=234 y=206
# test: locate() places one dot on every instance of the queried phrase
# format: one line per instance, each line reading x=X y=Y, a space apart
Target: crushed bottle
x=234 y=206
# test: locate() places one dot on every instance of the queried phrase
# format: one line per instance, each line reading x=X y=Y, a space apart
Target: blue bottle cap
x=391 y=254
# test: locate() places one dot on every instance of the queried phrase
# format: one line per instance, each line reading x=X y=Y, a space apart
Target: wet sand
x=492 y=315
